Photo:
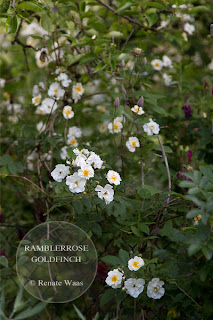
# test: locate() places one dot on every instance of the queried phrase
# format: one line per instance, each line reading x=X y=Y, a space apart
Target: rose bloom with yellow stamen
x=132 y=143
x=115 y=126
x=138 y=110
x=114 y=279
x=36 y=100
x=72 y=141
x=135 y=263
x=157 y=64
x=101 y=108
x=86 y=171
x=68 y=113
x=197 y=219
x=113 y=177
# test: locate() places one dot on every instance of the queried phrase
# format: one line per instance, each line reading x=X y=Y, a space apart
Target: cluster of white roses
x=186 y=18
x=56 y=91
x=133 y=142
x=158 y=65
x=86 y=162
x=135 y=286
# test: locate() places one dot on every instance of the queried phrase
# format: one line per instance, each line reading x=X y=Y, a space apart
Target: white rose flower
x=155 y=288
x=63 y=78
x=33 y=29
x=113 y=177
x=101 y=108
x=94 y=160
x=134 y=287
x=103 y=127
x=210 y=65
x=197 y=219
x=135 y=263
x=55 y=91
x=189 y=28
x=75 y=132
x=157 y=64
x=151 y=128
x=185 y=37
x=138 y=110
x=36 y=100
x=42 y=58
x=106 y=193
x=114 y=279
x=79 y=161
x=68 y=113
x=86 y=171
x=32 y=42
x=132 y=143
x=2 y=82
x=40 y=126
x=115 y=126
x=168 y=80
x=76 y=184
x=82 y=152
x=48 y=106
x=13 y=119
x=60 y=172
x=167 y=62
x=77 y=91
x=63 y=153
x=72 y=141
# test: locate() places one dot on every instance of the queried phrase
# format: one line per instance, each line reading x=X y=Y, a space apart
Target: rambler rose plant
x=107 y=123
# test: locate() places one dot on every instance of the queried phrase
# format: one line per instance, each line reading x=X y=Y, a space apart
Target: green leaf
x=143 y=227
x=4 y=7
x=166 y=148
x=112 y=260
x=78 y=207
x=198 y=9
x=106 y=297
x=11 y=24
x=124 y=256
x=87 y=58
x=30 y=312
x=100 y=67
x=124 y=5
x=194 y=248
x=186 y=184
x=136 y=231
x=207 y=253
x=46 y=23
x=4 y=261
x=194 y=213
x=79 y=313
x=30 y=5
x=73 y=59
x=19 y=303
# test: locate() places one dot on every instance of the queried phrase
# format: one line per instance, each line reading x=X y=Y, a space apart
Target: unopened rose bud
x=116 y=102
x=123 y=289
x=138 y=51
x=94 y=37
x=140 y=102
x=144 y=61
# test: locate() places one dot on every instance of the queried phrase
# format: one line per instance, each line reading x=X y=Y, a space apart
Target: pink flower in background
x=186 y=123
x=189 y=155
